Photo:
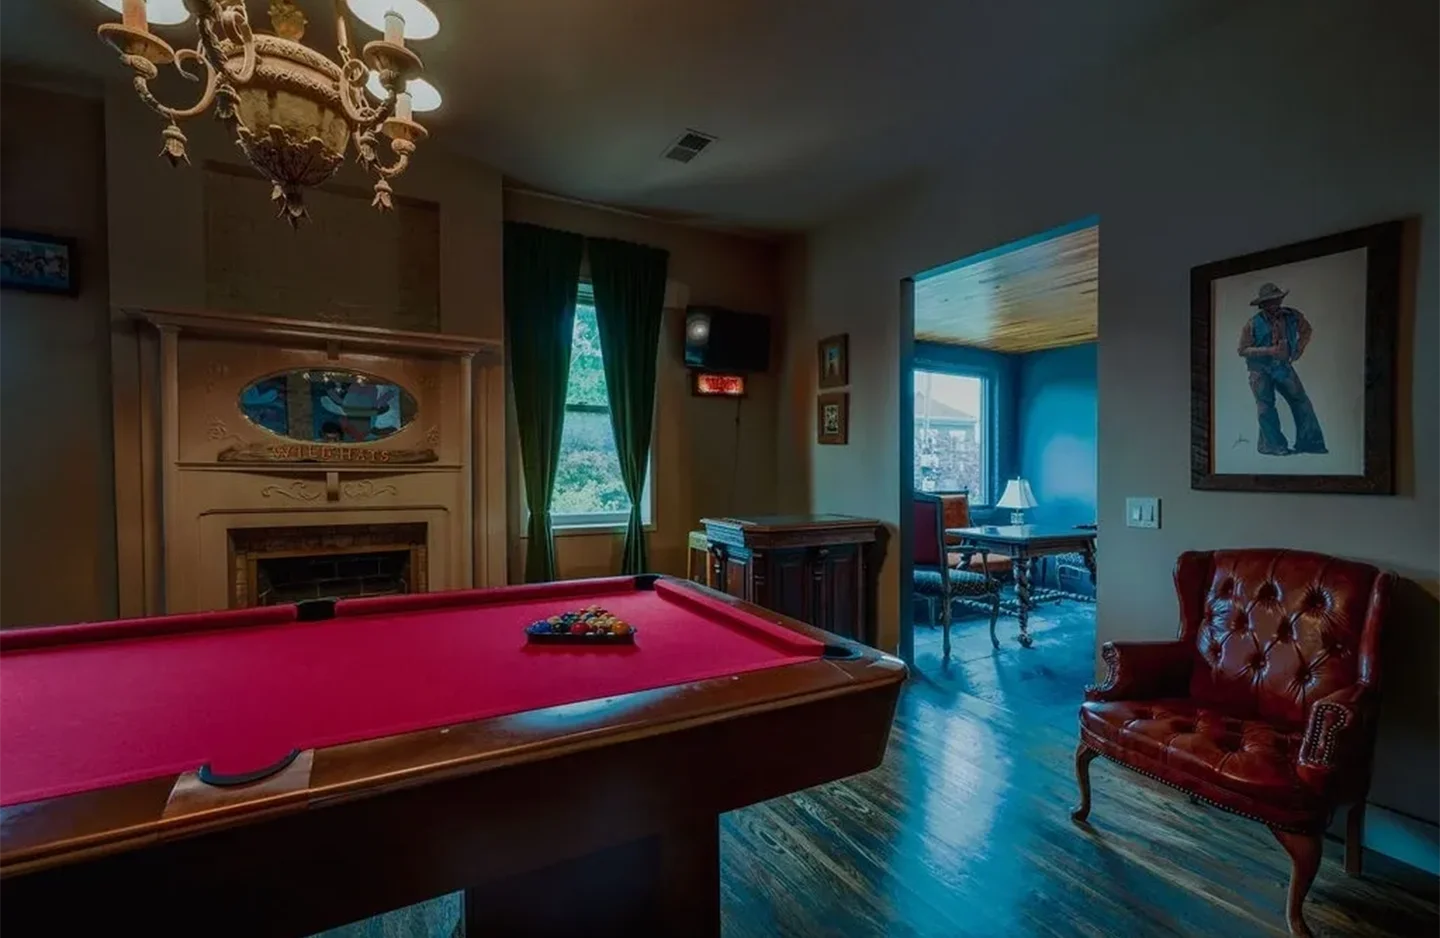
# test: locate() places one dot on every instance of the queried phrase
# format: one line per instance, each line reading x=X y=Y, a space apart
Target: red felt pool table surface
x=90 y=706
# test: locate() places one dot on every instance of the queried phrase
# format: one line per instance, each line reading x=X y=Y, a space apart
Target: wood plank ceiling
x=1038 y=296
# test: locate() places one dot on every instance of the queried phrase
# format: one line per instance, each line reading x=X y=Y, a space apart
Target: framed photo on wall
x=832 y=418
x=835 y=361
x=38 y=263
x=1292 y=366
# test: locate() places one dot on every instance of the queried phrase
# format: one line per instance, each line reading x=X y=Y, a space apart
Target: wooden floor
x=965 y=830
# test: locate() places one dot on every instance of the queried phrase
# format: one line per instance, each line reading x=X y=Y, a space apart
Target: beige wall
x=57 y=536
x=1289 y=120
x=704 y=464
x=159 y=227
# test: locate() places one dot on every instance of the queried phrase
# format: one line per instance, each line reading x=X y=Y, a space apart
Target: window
x=589 y=490
x=950 y=434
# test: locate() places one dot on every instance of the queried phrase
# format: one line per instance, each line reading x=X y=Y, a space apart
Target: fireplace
x=289 y=564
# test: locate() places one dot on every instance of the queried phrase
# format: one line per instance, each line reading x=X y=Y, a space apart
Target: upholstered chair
x=1072 y=566
x=956 y=507
x=1264 y=706
x=934 y=578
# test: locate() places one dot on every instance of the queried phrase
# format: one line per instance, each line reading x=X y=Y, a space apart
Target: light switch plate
x=1142 y=512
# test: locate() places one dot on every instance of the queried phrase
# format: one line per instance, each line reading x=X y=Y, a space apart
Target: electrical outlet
x=1142 y=512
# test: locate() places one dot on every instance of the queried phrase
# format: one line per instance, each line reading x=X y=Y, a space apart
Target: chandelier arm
x=401 y=164
x=235 y=22
x=384 y=193
x=342 y=32
x=144 y=76
x=352 y=97
x=217 y=23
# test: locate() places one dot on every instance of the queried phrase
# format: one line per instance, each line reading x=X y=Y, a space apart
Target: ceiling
x=815 y=103
x=1034 y=295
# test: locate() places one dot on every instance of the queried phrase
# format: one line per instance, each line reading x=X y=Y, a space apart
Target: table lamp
x=1017 y=498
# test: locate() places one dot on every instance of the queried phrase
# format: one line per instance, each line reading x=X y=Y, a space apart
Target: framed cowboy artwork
x=1292 y=366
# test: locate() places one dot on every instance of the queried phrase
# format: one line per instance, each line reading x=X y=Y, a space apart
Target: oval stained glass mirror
x=331 y=405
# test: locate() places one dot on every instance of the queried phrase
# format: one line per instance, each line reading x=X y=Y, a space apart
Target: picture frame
x=832 y=418
x=1292 y=366
x=834 y=361
x=38 y=263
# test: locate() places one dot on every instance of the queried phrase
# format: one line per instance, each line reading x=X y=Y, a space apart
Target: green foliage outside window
x=588 y=479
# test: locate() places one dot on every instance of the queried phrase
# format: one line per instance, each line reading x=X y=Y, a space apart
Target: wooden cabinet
x=816 y=568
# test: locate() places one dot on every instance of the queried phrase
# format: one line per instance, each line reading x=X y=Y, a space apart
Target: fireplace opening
x=272 y=566
x=331 y=576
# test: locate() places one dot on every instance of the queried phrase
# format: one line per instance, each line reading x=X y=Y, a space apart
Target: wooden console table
x=815 y=568
x=1022 y=543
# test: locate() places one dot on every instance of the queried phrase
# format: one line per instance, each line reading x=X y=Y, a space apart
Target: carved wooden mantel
x=217 y=472
x=314 y=334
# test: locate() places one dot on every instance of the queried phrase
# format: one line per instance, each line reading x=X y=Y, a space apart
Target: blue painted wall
x=1055 y=430
x=1044 y=429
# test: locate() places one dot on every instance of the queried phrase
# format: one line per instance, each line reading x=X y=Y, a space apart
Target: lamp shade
x=420 y=20
x=157 y=12
x=1017 y=495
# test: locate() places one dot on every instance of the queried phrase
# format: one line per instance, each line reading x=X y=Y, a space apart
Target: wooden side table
x=1023 y=543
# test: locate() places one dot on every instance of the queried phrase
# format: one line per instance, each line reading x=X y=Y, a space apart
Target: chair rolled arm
x=1335 y=749
x=1144 y=671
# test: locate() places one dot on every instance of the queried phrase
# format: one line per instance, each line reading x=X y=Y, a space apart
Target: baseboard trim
x=1401 y=837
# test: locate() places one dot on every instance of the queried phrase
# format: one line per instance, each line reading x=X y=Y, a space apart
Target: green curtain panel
x=542 y=273
x=629 y=282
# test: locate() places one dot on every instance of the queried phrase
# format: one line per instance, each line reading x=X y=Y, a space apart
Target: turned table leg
x=1020 y=566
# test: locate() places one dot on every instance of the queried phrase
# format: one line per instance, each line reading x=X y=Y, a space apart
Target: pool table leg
x=690 y=878
x=664 y=885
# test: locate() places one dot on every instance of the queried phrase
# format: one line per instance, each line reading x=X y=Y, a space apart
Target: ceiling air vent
x=688 y=147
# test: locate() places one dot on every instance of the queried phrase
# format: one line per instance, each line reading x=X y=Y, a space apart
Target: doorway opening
x=1000 y=437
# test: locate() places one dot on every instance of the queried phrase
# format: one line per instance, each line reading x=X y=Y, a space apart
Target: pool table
x=286 y=769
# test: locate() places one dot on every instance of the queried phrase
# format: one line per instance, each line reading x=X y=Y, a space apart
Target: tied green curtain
x=542 y=273
x=629 y=283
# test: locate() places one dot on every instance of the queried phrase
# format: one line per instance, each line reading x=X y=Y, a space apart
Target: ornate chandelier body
x=291 y=110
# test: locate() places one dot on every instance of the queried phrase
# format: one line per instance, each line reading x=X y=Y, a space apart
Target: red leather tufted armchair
x=1264 y=706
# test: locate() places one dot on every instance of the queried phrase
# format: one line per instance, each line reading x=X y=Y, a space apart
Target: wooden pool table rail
x=401 y=818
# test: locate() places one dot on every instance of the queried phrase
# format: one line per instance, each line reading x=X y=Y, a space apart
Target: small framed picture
x=832 y=418
x=835 y=361
x=38 y=263
x=1292 y=366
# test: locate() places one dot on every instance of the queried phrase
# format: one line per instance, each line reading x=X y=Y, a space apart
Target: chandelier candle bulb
x=394 y=27
x=132 y=14
x=402 y=105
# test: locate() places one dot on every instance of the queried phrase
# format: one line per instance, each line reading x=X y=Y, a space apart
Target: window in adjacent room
x=589 y=490
x=950 y=437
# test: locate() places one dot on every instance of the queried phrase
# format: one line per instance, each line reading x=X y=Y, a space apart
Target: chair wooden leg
x=1304 y=850
x=994 y=617
x=1355 y=838
x=945 y=616
x=1084 y=755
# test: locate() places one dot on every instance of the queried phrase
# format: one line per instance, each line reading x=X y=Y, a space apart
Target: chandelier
x=291 y=110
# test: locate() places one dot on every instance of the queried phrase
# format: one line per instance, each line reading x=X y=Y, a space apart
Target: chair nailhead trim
x=1319 y=744
x=1259 y=820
